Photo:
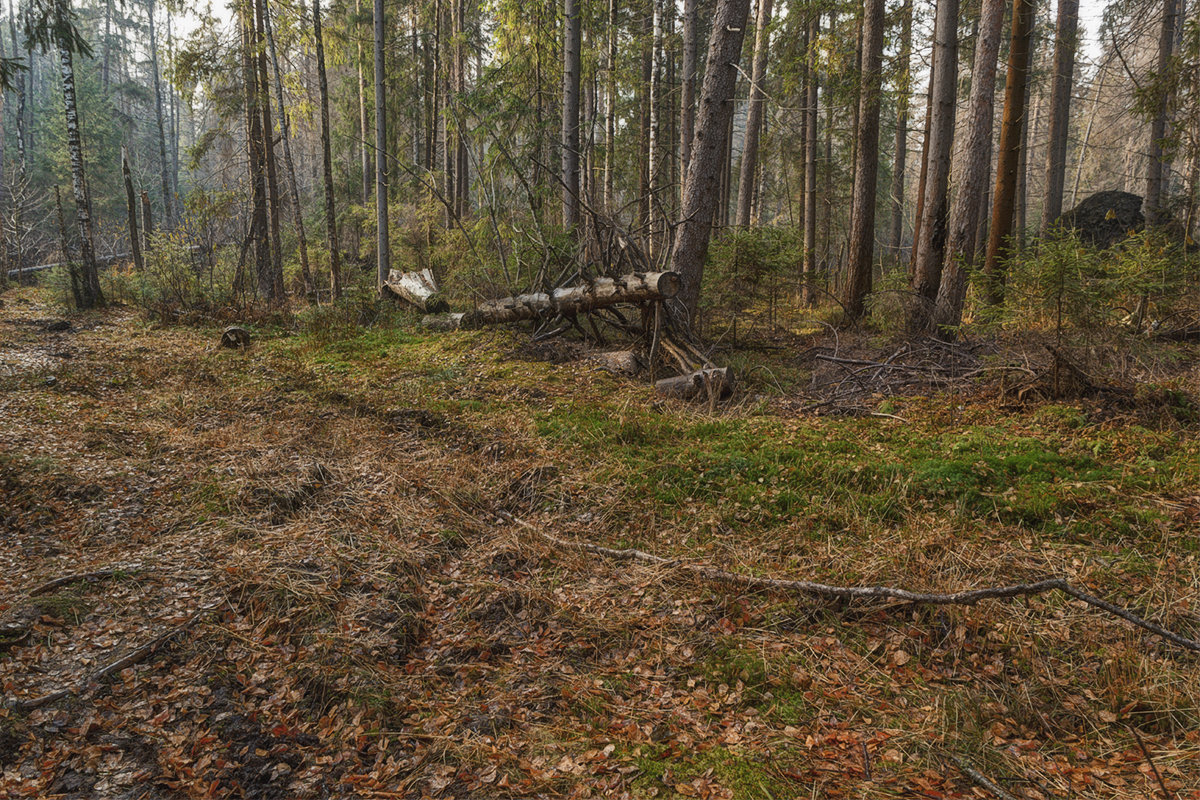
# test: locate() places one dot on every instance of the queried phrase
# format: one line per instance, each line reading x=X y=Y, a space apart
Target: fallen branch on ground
x=130 y=659
x=980 y=779
x=964 y=598
x=65 y=580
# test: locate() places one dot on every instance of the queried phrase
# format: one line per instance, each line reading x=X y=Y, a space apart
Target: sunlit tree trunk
x=335 y=277
x=383 y=246
x=1153 y=202
x=1060 y=110
x=808 y=292
x=89 y=294
x=754 y=115
x=900 y=149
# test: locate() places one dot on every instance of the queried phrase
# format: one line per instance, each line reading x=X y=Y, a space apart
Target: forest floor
x=326 y=518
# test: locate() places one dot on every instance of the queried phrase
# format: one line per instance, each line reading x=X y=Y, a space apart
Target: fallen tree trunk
x=697 y=384
x=638 y=287
x=418 y=288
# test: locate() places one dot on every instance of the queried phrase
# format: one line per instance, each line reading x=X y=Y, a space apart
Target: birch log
x=418 y=288
x=696 y=384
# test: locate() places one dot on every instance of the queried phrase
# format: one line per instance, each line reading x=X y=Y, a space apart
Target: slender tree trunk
x=923 y=175
x=861 y=249
x=687 y=89
x=289 y=164
x=654 y=168
x=164 y=165
x=104 y=64
x=610 y=110
x=1010 y=146
x=808 y=292
x=754 y=115
x=364 y=153
x=21 y=128
x=971 y=172
x=173 y=115
x=1087 y=134
x=273 y=200
x=708 y=155
x=256 y=159
x=570 y=114
x=135 y=244
x=335 y=277
x=89 y=295
x=931 y=243
x=1060 y=111
x=147 y=223
x=1153 y=202
x=462 y=195
x=383 y=249
x=644 y=103
x=903 y=98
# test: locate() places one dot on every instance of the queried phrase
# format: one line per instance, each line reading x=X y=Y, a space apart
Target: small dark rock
x=58 y=326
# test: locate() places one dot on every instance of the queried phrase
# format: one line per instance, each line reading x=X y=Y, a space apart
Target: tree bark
x=644 y=102
x=383 y=247
x=135 y=245
x=1060 y=112
x=365 y=156
x=164 y=165
x=272 y=173
x=570 y=114
x=861 y=247
x=610 y=110
x=931 y=242
x=971 y=172
x=1010 y=149
x=1153 y=202
x=754 y=115
x=903 y=98
x=89 y=295
x=687 y=89
x=809 y=269
x=335 y=277
x=708 y=155
x=256 y=160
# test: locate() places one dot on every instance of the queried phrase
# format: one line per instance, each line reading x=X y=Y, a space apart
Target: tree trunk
x=383 y=248
x=365 y=156
x=971 y=172
x=570 y=114
x=21 y=128
x=147 y=223
x=89 y=295
x=273 y=199
x=861 y=248
x=903 y=98
x=164 y=165
x=1153 y=202
x=1087 y=133
x=644 y=102
x=256 y=160
x=1010 y=149
x=1060 y=112
x=610 y=110
x=289 y=164
x=808 y=292
x=335 y=277
x=654 y=166
x=687 y=89
x=931 y=244
x=708 y=156
x=754 y=115
x=570 y=300
x=135 y=245
x=418 y=288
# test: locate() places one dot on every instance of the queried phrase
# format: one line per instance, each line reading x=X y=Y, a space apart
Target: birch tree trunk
x=754 y=115
x=1060 y=112
x=687 y=90
x=809 y=269
x=383 y=247
x=861 y=247
x=708 y=148
x=900 y=149
x=89 y=293
x=164 y=165
x=971 y=172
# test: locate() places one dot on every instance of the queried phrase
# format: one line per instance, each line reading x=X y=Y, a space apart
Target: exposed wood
x=418 y=288
x=710 y=382
x=618 y=362
x=235 y=338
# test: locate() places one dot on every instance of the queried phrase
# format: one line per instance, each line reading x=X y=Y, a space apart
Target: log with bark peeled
x=697 y=384
x=418 y=288
x=638 y=287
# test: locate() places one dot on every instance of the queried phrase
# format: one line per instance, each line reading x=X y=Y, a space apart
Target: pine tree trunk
x=273 y=200
x=1060 y=111
x=861 y=247
x=570 y=114
x=808 y=292
x=89 y=294
x=903 y=98
x=364 y=154
x=1153 y=202
x=383 y=247
x=135 y=244
x=644 y=103
x=335 y=277
x=610 y=110
x=1000 y=234
x=654 y=167
x=256 y=159
x=935 y=210
x=709 y=155
x=687 y=90
x=164 y=165
x=754 y=115
x=972 y=171
x=289 y=164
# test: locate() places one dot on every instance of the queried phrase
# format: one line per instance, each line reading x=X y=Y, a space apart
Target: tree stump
x=235 y=338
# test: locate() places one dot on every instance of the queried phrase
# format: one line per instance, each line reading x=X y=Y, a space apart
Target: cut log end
x=418 y=288
x=235 y=338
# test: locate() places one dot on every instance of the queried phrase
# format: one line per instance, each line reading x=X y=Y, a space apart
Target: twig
x=980 y=779
x=968 y=597
x=50 y=586
x=1169 y=795
x=130 y=659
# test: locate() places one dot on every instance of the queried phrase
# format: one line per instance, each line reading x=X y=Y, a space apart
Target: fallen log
x=418 y=288
x=618 y=362
x=638 y=287
x=697 y=384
